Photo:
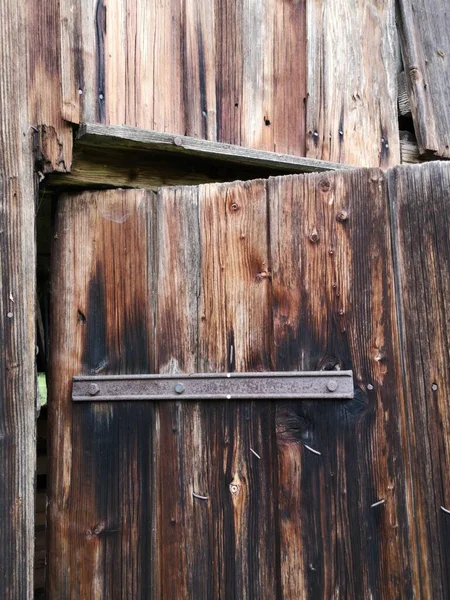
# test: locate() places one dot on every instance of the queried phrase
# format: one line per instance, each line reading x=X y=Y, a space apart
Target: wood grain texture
x=220 y=70
x=419 y=197
x=53 y=139
x=351 y=113
x=17 y=310
x=121 y=156
x=103 y=465
x=333 y=308
x=230 y=499
x=424 y=27
x=234 y=335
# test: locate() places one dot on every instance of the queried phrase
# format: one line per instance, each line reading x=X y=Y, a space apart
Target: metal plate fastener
x=332 y=385
x=93 y=389
x=179 y=388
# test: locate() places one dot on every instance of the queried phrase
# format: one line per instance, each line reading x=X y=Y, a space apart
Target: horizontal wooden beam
x=123 y=156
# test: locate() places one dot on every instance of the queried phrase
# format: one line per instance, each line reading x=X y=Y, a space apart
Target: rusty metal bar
x=325 y=385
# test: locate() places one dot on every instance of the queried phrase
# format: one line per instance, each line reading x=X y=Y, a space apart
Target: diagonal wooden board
x=425 y=39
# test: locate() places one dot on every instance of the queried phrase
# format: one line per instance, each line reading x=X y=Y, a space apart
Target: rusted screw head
x=93 y=389
x=314 y=236
x=179 y=388
x=332 y=385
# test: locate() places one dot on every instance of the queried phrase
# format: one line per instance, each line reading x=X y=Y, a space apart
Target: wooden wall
x=300 y=76
x=17 y=298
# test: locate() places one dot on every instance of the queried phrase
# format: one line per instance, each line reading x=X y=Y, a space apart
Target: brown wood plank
x=333 y=308
x=235 y=335
x=17 y=309
x=424 y=28
x=121 y=156
x=351 y=113
x=199 y=69
x=109 y=167
x=103 y=468
x=184 y=543
x=419 y=196
x=53 y=144
x=220 y=70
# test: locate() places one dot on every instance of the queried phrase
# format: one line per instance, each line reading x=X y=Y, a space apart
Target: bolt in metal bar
x=215 y=386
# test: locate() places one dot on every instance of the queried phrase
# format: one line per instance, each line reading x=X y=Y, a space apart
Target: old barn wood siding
x=227 y=499
x=53 y=139
x=333 y=308
x=220 y=70
x=420 y=200
x=240 y=72
x=424 y=27
x=17 y=301
x=103 y=461
x=351 y=114
x=124 y=156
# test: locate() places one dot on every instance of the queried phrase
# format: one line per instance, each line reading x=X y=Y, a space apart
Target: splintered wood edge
x=133 y=138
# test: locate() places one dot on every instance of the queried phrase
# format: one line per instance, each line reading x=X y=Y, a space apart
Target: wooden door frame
x=18 y=187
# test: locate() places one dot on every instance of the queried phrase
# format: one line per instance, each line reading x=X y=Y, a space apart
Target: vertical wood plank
x=199 y=69
x=424 y=28
x=290 y=70
x=234 y=335
x=351 y=114
x=419 y=199
x=17 y=310
x=333 y=308
x=103 y=470
x=225 y=70
x=184 y=541
x=54 y=135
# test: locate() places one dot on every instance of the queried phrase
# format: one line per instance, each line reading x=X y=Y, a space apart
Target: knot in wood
x=235 y=489
x=342 y=216
x=314 y=236
x=234 y=207
x=414 y=74
x=325 y=185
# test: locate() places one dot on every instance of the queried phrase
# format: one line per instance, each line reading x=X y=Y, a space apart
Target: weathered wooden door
x=229 y=499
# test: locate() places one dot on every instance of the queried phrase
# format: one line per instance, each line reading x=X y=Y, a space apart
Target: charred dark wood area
x=421 y=230
x=304 y=499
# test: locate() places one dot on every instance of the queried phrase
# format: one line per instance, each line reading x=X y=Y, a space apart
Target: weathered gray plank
x=420 y=202
x=122 y=156
x=17 y=310
x=425 y=26
x=227 y=70
x=351 y=113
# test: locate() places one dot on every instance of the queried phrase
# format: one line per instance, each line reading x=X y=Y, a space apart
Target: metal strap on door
x=312 y=385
